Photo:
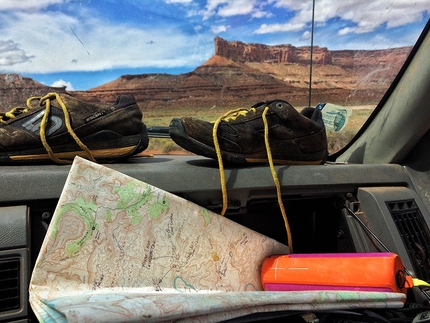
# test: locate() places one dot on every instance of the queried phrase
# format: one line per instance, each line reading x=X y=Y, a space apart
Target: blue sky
x=86 y=43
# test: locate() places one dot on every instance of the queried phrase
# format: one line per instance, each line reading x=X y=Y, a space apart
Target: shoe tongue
x=312 y=113
x=124 y=100
x=308 y=112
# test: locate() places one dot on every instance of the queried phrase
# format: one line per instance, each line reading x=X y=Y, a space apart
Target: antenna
x=312 y=52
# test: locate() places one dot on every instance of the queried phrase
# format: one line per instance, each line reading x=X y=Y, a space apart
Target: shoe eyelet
x=279 y=105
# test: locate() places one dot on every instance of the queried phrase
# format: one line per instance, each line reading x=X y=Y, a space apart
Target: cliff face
x=241 y=74
x=288 y=54
x=258 y=53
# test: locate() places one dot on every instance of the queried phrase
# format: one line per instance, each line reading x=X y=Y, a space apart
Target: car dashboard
x=387 y=198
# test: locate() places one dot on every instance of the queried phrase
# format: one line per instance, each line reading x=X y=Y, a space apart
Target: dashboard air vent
x=415 y=234
x=9 y=284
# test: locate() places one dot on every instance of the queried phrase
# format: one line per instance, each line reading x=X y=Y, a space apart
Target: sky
x=85 y=43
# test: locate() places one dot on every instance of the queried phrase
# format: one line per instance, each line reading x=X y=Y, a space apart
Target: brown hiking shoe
x=293 y=137
x=59 y=127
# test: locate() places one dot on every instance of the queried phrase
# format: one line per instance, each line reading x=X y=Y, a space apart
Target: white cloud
x=179 y=1
x=53 y=47
x=11 y=54
x=275 y=28
x=61 y=83
x=219 y=29
x=365 y=16
x=261 y=14
x=211 y=7
x=306 y=35
x=346 y=30
x=229 y=8
x=237 y=7
x=26 y=4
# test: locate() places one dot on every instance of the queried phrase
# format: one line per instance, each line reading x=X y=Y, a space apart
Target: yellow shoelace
x=232 y=115
x=5 y=116
x=47 y=100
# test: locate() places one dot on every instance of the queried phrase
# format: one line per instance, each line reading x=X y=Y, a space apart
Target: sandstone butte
x=240 y=74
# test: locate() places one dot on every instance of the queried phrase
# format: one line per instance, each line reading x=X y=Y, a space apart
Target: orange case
x=382 y=272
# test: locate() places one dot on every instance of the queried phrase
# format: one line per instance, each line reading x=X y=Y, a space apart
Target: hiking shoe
x=59 y=127
x=239 y=135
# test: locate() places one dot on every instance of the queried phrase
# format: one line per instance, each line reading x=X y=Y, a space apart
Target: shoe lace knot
x=46 y=101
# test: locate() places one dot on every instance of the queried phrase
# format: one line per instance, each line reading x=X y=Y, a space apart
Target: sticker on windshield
x=335 y=116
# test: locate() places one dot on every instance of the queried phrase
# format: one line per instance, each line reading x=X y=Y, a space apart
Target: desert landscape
x=239 y=75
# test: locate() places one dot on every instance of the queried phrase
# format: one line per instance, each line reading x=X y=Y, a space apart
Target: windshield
x=203 y=58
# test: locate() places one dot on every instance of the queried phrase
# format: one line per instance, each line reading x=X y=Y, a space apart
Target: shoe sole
x=179 y=136
x=100 y=154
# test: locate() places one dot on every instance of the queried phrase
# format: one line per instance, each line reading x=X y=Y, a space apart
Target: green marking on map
x=205 y=213
x=109 y=216
x=74 y=247
x=132 y=199
x=84 y=210
x=158 y=207
x=341 y=295
x=323 y=298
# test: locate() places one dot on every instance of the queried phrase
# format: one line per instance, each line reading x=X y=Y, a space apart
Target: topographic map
x=118 y=249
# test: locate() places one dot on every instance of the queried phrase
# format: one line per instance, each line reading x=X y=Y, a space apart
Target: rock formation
x=16 y=89
x=241 y=74
x=278 y=54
